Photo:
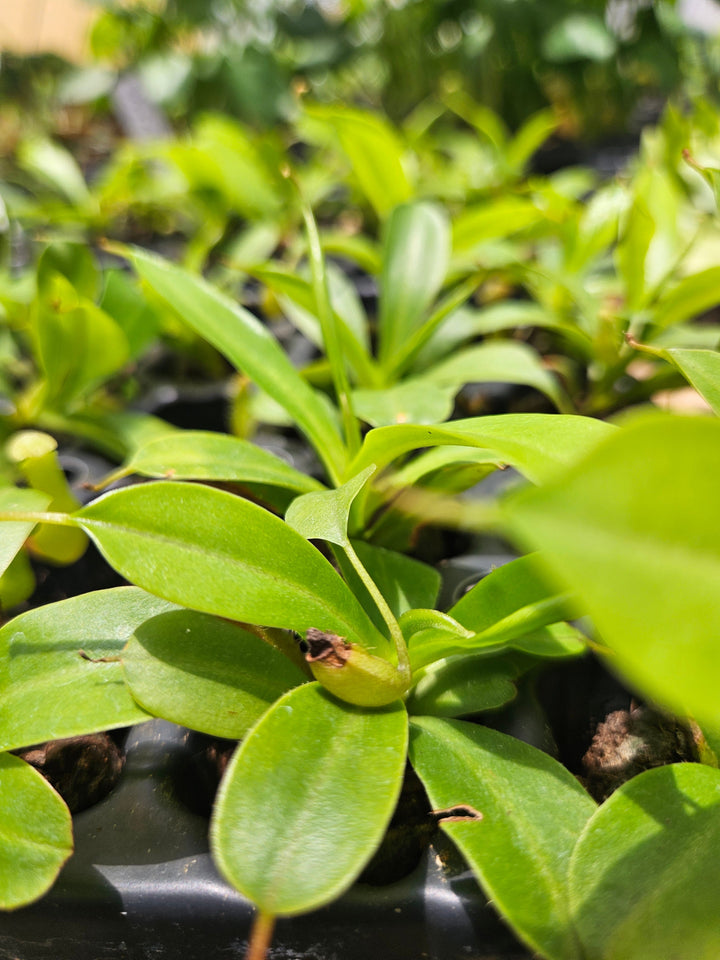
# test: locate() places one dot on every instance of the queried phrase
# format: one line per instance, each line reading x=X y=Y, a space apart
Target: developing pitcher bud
x=351 y=673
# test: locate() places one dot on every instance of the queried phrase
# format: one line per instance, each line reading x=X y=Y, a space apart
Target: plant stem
x=403 y=659
x=260 y=936
x=33 y=516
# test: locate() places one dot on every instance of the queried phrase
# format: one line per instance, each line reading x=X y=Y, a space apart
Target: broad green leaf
x=687 y=299
x=124 y=302
x=530 y=137
x=446 y=463
x=516 y=590
x=415 y=257
x=701 y=368
x=538 y=445
x=491 y=220
x=375 y=152
x=47 y=689
x=634 y=531
x=412 y=401
x=205 y=673
x=78 y=344
x=247 y=344
x=35 y=833
x=306 y=799
x=204 y=455
x=17 y=582
x=15 y=533
x=217 y=553
x=632 y=253
x=324 y=515
x=463 y=685
x=532 y=810
x=75 y=262
x=499 y=361
x=645 y=876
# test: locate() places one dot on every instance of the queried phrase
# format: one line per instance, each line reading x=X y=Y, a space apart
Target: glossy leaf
x=306 y=799
x=15 y=533
x=533 y=811
x=47 y=690
x=645 y=874
x=538 y=445
x=499 y=361
x=415 y=256
x=218 y=553
x=324 y=515
x=412 y=401
x=247 y=344
x=204 y=455
x=463 y=685
x=35 y=833
x=634 y=531
x=205 y=673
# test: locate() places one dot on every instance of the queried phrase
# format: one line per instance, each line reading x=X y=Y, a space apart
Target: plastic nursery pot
x=141 y=885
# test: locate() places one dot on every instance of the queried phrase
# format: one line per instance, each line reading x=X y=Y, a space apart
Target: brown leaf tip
x=333 y=650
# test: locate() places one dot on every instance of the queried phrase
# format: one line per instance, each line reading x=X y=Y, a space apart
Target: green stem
x=32 y=516
x=403 y=659
x=261 y=935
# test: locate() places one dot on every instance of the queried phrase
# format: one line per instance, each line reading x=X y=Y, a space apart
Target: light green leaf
x=491 y=220
x=324 y=515
x=56 y=167
x=579 y=36
x=499 y=361
x=538 y=445
x=645 y=874
x=15 y=533
x=687 y=299
x=463 y=685
x=529 y=138
x=238 y=335
x=204 y=455
x=205 y=673
x=533 y=811
x=218 y=553
x=415 y=257
x=35 y=833
x=412 y=401
x=375 y=152
x=701 y=368
x=124 y=302
x=47 y=690
x=306 y=799
x=634 y=531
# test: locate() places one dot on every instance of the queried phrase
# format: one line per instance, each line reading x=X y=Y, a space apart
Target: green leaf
x=56 y=167
x=632 y=253
x=701 y=368
x=247 y=344
x=538 y=445
x=218 y=553
x=306 y=799
x=512 y=600
x=47 y=690
x=533 y=811
x=78 y=344
x=324 y=515
x=15 y=533
x=499 y=361
x=123 y=301
x=375 y=152
x=415 y=257
x=645 y=874
x=529 y=138
x=634 y=531
x=687 y=299
x=491 y=220
x=462 y=685
x=35 y=833
x=205 y=673
x=413 y=401
x=204 y=455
